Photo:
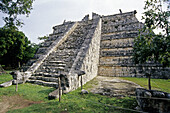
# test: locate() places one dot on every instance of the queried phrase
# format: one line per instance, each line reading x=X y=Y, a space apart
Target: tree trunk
x=149 y=82
x=59 y=88
x=19 y=64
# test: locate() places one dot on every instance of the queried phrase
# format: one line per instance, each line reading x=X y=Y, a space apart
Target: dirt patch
x=114 y=87
x=14 y=102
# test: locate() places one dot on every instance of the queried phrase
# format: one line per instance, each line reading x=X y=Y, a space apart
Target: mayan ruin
x=100 y=46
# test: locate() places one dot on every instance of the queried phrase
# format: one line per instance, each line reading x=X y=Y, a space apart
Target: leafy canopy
x=15 y=47
x=151 y=47
x=13 y=8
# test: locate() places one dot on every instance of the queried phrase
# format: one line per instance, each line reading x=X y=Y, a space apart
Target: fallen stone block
x=54 y=94
x=84 y=91
x=6 y=84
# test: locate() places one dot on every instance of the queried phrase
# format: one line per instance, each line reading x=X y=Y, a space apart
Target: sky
x=49 y=13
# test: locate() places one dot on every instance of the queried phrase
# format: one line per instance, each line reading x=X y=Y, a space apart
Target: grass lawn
x=73 y=101
x=28 y=91
x=5 y=78
x=156 y=84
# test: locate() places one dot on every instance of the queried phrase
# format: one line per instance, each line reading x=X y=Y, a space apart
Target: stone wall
x=153 y=101
x=88 y=58
x=118 y=33
x=116 y=48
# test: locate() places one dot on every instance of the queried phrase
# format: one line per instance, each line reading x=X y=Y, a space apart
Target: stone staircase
x=118 y=33
x=59 y=31
x=63 y=57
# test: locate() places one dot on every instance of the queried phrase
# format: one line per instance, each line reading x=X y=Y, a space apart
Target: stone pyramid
x=98 y=46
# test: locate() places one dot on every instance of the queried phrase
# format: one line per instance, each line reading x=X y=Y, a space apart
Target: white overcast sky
x=48 y=13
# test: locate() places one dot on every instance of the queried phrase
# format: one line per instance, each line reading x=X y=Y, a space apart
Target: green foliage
x=149 y=46
x=13 y=8
x=30 y=50
x=43 y=38
x=15 y=47
x=157 y=84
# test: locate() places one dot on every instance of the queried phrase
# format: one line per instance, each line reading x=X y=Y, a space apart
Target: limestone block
x=86 y=18
x=6 y=84
x=84 y=91
x=155 y=101
x=54 y=94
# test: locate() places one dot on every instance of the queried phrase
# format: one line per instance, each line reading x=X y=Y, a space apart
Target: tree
x=151 y=47
x=13 y=8
x=30 y=50
x=15 y=47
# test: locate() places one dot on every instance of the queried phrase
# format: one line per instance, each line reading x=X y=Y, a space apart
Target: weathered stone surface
x=17 y=75
x=6 y=84
x=86 y=18
x=153 y=101
x=14 y=82
x=88 y=57
x=54 y=94
x=83 y=91
x=116 y=48
x=113 y=87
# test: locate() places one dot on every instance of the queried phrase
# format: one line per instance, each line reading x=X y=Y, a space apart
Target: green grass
x=75 y=102
x=71 y=102
x=156 y=84
x=28 y=91
x=5 y=78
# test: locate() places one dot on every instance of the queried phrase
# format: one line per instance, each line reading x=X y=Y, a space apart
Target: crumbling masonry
x=100 y=46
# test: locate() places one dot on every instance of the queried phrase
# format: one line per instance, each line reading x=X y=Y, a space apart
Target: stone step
x=55 y=65
x=48 y=67
x=110 y=46
x=120 y=35
x=117 y=62
x=57 y=62
x=116 y=53
x=46 y=79
x=54 y=75
x=119 y=19
x=131 y=71
x=118 y=43
x=120 y=28
x=65 y=60
x=40 y=82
